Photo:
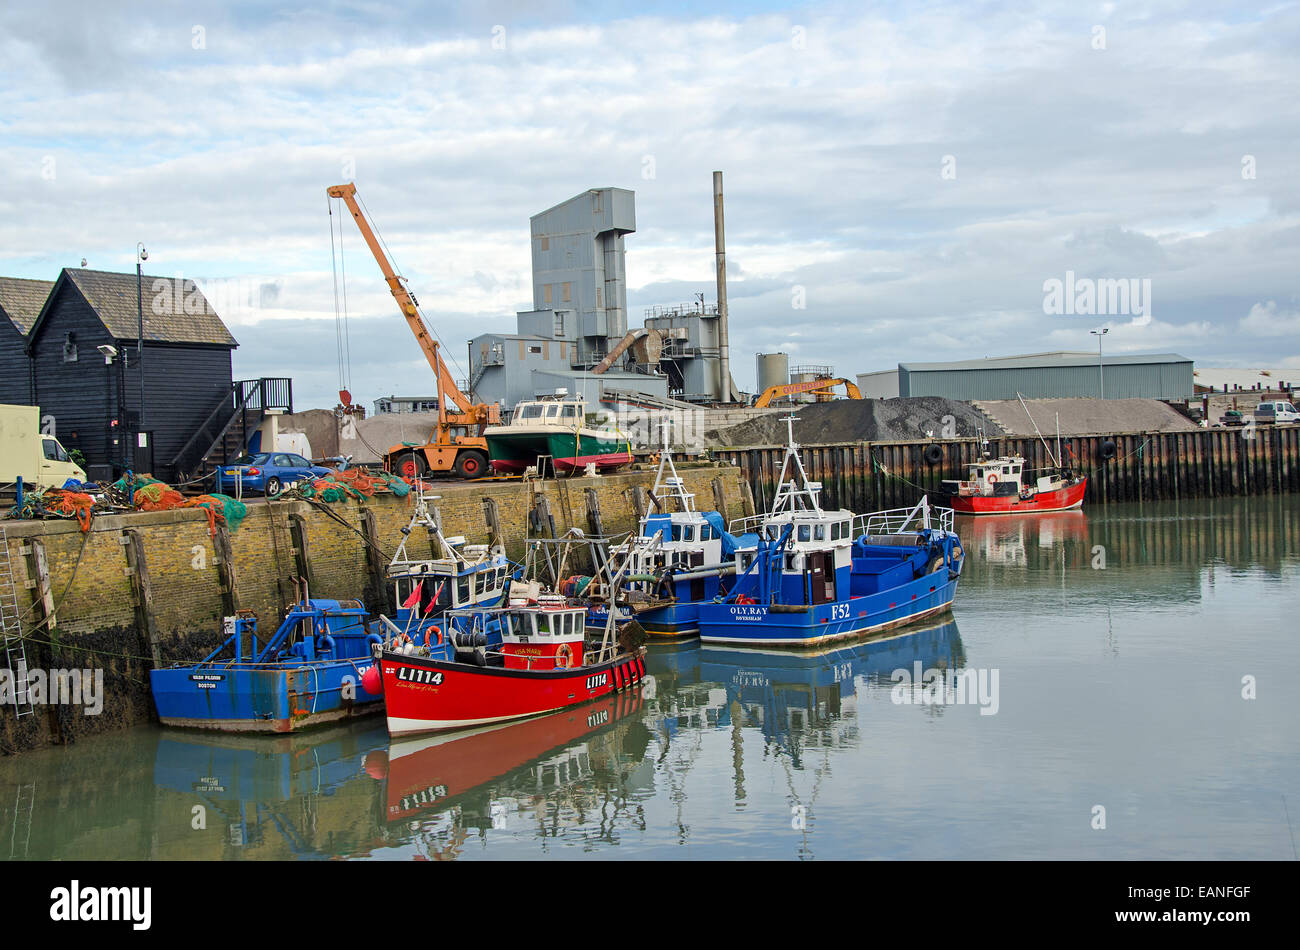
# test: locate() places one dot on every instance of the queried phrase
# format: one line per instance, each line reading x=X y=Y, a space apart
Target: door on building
x=142 y=460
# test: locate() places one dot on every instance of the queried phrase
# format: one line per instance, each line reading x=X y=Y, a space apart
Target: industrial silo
x=773 y=370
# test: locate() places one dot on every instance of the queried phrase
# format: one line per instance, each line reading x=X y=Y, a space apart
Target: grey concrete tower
x=578 y=265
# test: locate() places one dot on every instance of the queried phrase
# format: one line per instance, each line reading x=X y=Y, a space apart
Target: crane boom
x=471 y=413
x=818 y=386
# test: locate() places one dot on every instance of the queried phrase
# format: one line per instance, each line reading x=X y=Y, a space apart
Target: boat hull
x=277 y=699
x=428 y=695
x=1063 y=499
x=805 y=626
x=430 y=772
x=512 y=452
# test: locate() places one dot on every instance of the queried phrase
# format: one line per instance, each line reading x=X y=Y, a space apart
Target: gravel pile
x=862 y=420
x=1086 y=416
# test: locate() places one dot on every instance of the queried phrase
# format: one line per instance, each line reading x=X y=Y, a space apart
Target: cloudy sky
x=912 y=172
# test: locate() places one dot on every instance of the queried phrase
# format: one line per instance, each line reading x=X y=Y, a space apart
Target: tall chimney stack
x=720 y=245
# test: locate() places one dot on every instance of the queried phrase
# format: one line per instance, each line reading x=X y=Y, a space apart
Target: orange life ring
x=993 y=477
x=430 y=634
x=563 y=656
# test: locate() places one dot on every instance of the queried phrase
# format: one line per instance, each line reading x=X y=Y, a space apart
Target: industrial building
x=390 y=404
x=1166 y=376
x=882 y=384
x=576 y=337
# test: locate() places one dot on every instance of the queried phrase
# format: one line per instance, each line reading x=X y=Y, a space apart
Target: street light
x=1101 y=373
x=141 y=255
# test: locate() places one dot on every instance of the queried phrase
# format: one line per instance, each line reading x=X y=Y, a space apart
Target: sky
x=904 y=181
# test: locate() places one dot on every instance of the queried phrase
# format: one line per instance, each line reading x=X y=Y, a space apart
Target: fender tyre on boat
x=935 y=565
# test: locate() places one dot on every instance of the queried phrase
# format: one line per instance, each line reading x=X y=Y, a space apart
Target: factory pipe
x=720 y=244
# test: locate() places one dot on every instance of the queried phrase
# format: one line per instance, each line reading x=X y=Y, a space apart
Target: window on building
x=535 y=349
x=69 y=349
x=546 y=244
x=566 y=291
x=546 y=293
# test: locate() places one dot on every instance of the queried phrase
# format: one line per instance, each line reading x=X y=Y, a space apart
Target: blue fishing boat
x=458 y=576
x=679 y=558
x=309 y=672
x=817 y=576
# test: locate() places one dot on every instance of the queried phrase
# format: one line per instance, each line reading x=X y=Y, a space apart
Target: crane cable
x=393 y=260
x=342 y=337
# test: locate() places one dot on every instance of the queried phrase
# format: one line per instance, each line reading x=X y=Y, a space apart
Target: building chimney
x=720 y=244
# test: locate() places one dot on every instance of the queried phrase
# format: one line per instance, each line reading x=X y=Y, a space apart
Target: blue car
x=266 y=472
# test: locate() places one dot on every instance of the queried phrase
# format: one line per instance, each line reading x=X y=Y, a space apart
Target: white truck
x=28 y=453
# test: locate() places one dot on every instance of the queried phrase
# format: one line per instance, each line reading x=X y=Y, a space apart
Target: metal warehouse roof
x=22 y=300
x=1059 y=358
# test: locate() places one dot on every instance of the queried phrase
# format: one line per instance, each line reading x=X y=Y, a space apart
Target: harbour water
x=1113 y=683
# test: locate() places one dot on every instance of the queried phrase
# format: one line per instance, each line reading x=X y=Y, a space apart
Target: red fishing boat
x=998 y=486
x=494 y=665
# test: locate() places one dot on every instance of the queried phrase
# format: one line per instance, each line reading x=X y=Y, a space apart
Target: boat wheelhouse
x=459 y=576
x=687 y=566
x=815 y=576
x=556 y=428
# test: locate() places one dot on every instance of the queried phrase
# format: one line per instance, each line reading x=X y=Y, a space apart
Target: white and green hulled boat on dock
x=556 y=427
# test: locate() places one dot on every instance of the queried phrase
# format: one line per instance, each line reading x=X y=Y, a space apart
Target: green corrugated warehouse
x=1165 y=376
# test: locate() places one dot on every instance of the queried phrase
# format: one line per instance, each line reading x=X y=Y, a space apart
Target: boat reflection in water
x=275 y=797
x=1015 y=539
x=553 y=774
x=788 y=694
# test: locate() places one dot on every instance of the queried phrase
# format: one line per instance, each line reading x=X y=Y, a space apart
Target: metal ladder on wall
x=11 y=633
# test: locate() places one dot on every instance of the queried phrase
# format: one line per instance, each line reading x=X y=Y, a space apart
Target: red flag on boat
x=436 y=595
x=415 y=596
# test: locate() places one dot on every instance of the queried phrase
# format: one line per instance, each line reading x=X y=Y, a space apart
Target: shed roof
x=1038 y=360
x=175 y=310
x=21 y=300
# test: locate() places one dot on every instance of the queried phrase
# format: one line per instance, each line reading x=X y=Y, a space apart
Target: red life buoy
x=992 y=477
x=430 y=634
x=563 y=656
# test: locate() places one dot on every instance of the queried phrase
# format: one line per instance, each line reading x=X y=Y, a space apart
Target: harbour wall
x=1145 y=466
x=149 y=588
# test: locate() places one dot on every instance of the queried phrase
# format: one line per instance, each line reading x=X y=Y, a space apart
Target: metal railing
x=899 y=520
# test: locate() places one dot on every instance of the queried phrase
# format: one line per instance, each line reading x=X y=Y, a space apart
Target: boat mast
x=800 y=494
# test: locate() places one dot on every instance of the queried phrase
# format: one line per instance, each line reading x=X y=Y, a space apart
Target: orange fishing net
x=70 y=504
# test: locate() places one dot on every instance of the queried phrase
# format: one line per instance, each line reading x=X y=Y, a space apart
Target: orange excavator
x=820 y=388
x=457 y=444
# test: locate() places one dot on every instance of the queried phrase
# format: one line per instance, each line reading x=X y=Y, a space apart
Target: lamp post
x=141 y=255
x=1101 y=373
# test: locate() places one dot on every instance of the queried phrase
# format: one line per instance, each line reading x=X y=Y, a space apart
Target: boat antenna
x=1036 y=432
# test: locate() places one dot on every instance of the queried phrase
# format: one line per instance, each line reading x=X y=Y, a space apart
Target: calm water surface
x=1119 y=641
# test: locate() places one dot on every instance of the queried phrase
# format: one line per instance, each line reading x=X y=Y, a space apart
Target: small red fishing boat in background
x=998 y=486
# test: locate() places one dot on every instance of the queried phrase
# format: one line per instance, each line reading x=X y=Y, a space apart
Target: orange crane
x=457 y=444
x=819 y=387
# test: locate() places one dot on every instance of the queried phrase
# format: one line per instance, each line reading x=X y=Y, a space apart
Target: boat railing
x=899 y=520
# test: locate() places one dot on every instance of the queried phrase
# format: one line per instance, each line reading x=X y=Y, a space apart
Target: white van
x=1276 y=412
x=25 y=451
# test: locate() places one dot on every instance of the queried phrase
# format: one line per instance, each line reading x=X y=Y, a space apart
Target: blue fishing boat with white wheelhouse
x=815 y=576
x=457 y=576
x=686 y=567
x=308 y=673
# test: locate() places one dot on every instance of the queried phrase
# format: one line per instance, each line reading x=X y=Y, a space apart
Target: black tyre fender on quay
x=933 y=454
x=1107 y=449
